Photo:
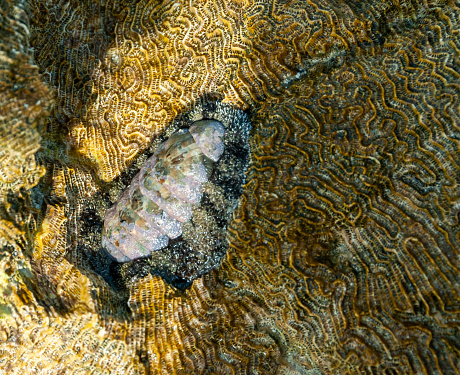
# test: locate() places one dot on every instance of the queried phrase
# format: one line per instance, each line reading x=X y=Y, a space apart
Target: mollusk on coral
x=160 y=199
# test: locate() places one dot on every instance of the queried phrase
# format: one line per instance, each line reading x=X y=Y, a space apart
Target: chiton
x=172 y=218
x=160 y=198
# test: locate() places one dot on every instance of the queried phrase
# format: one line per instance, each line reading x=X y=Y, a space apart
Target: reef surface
x=343 y=252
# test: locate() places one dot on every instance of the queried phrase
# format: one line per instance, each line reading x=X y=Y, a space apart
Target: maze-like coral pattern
x=23 y=102
x=122 y=83
x=24 y=105
x=357 y=206
x=343 y=253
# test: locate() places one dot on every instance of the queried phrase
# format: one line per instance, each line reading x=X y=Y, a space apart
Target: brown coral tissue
x=324 y=239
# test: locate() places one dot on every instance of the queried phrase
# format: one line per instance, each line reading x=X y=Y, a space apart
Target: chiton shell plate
x=160 y=199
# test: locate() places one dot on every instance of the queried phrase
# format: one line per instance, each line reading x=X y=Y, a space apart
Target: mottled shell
x=153 y=209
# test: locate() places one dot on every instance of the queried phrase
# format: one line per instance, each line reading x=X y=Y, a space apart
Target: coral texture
x=343 y=253
x=24 y=105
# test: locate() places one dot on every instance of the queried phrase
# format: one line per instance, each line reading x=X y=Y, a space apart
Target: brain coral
x=343 y=250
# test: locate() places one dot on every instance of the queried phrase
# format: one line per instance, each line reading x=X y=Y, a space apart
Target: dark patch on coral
x=214 y=210
x=140 y=268
x=91 y=224
x=227 y=174
x=203 y=244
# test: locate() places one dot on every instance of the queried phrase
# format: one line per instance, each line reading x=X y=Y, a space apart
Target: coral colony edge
x=229 y=187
